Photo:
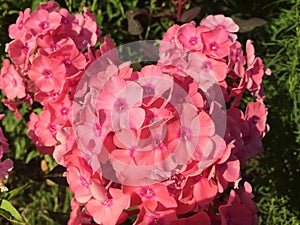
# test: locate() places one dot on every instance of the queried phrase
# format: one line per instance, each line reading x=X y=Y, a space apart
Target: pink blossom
x=17 y=30
x=77 y=215
x=45 y=129
x=202 y=68
x=106 y=211
x=190 y=36
x=221 y=22
x=47 y=74
x=156 y=192
x=216 y=43
x=236 y=212
x=81 y=181
x=41 y=22
x=11 y=82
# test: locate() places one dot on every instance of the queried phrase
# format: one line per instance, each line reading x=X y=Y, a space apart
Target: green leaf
x=31 y=155
x=17 y=191
x=13 y=212
x=35 y=4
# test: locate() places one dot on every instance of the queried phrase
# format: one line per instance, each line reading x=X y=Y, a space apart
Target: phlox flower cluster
x=165 y=143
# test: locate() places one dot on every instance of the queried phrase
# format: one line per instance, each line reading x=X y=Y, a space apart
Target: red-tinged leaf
x=131 y=13
x=166 y=13
x=190 y=14
x=135 y=27
x=249 y=24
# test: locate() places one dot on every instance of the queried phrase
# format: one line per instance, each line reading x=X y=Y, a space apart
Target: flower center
x=193 y=41
x=44 y=25
x=214 y=46
x=64 y=111
x=186 y=134
x=52 y=128
x=120 y=105
x=84 y=182
x=206 y=66
x=147 y=192
x=47 y=73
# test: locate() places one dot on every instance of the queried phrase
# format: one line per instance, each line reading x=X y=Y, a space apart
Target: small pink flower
x=17 y=30
x=41 y=22
x=11 y=82
x=221 y=22
x=201 y=68
x=45 y=129
x=106 y=211
x=47 y=74
x=216 y=43
x=190 y=36
x=156 y=192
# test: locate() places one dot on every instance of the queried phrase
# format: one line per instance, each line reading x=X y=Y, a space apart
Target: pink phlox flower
x=47 y=73
x=64 y=136
x=20 y=51
x=246 y=197
x=91 y=130
x=228 y=171
x=254 y=72
x=61 y=111
x=12 y=106
x=89 y=34
x=49 y=44
x=11 y=81
x=256 y=115
x=77 y=215
x=155 y=84
x=152 y=193
x=107 y=211
x=123 y=100
x=152 y=215
x=42 y=22
x=189 y=36
x=82 y=182
x=235 y=212
x=186 y=135
x=216 y=43
x=50 y=6
x=17 y=30
x=71 y=58
x=205 y=70
x=170 y=34
x=205 y=191
x=236 y=59
x=221 y=22
x=45 y=129
x=69 y=24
